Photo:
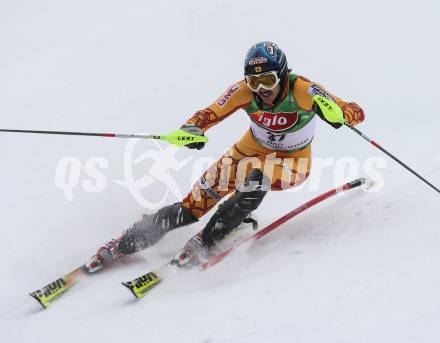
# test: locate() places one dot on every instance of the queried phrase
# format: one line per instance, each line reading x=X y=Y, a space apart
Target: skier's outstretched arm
x=304 y=92
x=236 y=96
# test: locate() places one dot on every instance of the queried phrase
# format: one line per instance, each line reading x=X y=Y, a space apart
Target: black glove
x=318 y=111
x=194 y=130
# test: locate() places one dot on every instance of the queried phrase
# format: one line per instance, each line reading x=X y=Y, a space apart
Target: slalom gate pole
x=368 y=139
x=178 y=137
x=349 y=185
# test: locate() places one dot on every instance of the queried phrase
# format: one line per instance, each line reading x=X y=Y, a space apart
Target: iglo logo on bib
x=280 y=121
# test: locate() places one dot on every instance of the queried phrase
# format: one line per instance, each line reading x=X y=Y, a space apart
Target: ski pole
x=178 y=137
x=374 y=143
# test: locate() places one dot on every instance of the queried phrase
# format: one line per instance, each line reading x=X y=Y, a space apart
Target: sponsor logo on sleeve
x=228 y=94
x=317 y=90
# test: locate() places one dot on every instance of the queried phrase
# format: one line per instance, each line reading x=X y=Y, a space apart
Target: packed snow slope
x=362 y=267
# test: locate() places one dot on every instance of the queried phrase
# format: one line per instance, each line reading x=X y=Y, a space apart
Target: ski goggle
x=267 y=81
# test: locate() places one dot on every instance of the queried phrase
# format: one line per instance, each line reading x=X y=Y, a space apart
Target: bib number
x=273 y=137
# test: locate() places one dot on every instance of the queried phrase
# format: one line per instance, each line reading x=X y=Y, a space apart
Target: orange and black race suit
x=278 y=141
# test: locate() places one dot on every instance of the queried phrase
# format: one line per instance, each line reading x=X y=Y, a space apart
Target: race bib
x=285 y=141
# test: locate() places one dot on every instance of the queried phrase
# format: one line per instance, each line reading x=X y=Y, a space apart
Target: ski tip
x=130 y=287
x=142 y=285
x=43 y=304
x=51 y=292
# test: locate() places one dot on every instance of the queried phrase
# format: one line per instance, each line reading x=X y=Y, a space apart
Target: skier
x=282 y=108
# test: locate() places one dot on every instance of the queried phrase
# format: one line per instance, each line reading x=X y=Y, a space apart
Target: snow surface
x=363 y=267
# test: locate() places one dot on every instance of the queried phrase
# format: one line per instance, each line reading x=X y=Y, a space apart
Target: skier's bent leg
x=152 y=229
x=141 y=235
x=237 y=208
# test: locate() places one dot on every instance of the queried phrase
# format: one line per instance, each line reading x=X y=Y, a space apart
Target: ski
x=186 y=258
x=51 y=292
x=142 y=285
x=191 y=255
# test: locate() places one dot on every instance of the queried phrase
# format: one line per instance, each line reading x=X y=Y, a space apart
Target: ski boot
x=195 y=252
x=106 y=254
x=236 y=210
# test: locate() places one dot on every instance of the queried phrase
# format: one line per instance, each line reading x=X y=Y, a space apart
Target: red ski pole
x=349 y=185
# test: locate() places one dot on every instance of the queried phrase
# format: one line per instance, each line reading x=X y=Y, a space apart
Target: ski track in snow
x=360 y=267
